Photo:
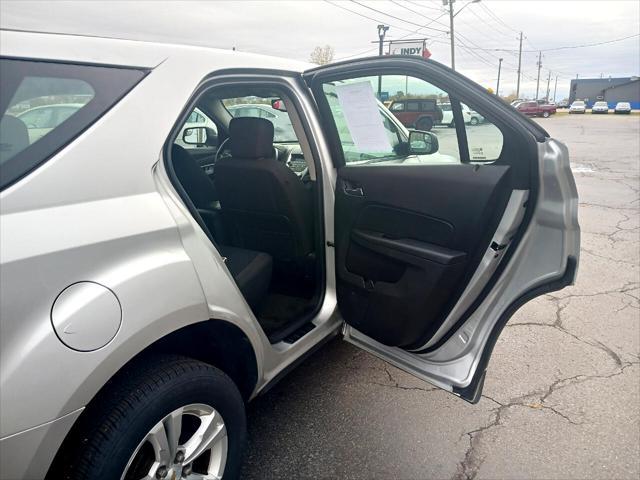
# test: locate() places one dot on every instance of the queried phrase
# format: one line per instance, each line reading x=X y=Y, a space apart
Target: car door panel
x=406 y=244
x=432 y=260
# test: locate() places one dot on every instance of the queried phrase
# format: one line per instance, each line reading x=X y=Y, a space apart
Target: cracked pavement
x=562 y=393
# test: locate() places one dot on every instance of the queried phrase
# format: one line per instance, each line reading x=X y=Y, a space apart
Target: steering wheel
x=219 y=150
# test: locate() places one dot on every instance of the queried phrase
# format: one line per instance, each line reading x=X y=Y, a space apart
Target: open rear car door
x=435 y=252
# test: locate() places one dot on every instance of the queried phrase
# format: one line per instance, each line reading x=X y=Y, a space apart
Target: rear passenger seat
x=250 y=269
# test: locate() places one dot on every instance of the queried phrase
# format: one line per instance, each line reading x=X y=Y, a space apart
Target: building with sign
x=409 y=47
x=611 y=90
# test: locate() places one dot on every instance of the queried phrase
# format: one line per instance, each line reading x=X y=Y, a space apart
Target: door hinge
x=496 y=247
x=330 y=244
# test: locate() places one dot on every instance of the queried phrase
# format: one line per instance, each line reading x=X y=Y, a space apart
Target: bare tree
x=322 y=55
x=510 y=98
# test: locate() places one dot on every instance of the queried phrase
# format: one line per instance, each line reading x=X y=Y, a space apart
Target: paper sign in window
x=360 y=110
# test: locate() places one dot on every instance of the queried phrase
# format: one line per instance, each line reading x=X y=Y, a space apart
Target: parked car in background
x=535 y=109
x=622 y=107
x=471 y=117
x=563 y=104
x=418 y=113
x=578 y=107
x=41 y=120
x=281 y=123
x=600 y=107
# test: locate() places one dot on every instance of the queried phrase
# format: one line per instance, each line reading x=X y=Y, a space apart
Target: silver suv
x=157 y=273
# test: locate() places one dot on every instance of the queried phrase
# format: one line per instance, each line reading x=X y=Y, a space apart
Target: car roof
x=132 y=53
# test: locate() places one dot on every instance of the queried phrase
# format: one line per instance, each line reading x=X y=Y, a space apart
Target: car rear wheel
x=171 y=417
x=545 y=114
x=474 y=121
x=424 y=123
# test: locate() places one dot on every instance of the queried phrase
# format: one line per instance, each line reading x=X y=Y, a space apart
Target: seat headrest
x=14 y=137
x=251 y=137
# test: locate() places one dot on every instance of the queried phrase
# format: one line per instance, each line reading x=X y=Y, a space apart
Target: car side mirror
x=203 y=136
x=422 y=143
x=279 y=105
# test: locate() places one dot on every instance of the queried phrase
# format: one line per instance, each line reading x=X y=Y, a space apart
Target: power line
x=397 y=18
x=411 y=32
x=370 y=18
x=498 y=19
x=422 y=5
x=590 y=44
x=554 y=49
x=484 y=22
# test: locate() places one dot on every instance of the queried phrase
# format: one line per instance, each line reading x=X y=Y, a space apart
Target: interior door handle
x=353 y=190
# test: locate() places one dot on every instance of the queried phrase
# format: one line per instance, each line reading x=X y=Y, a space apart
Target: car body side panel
x=28 y=454
x=103 y=210
x=93 y=213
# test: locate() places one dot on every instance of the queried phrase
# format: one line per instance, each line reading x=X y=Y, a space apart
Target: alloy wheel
x=189 y=443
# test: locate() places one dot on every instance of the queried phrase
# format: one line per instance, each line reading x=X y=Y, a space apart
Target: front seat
x=250 y=269
x=264 y=202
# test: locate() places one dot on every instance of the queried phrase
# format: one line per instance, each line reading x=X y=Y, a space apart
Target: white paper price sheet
x=360 y=110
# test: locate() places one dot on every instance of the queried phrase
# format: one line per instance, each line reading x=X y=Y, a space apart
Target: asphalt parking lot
x=562 y=394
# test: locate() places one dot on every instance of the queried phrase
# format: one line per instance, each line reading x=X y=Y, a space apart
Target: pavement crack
x=402 y=387
x=396 y=384
x=470 y=465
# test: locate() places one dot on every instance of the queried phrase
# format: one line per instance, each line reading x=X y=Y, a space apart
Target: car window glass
x=64 y=112
x=428 y=105
x=39 y=112
x=192 y=137
x=45 y=105
x=260 y=107
x=484 y=139
x=41 y=117
x=395 y=122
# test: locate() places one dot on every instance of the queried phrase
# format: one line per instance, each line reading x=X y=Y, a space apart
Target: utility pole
x=498 y=84
x=519 y=65
x=555 y=89
x=382 y=31
x=548 y=81
x=451 y=34
x=539 y=67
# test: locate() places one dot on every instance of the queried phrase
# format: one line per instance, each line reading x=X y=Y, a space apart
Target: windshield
x=259 y=107
x=601 y=104
x=579 y=103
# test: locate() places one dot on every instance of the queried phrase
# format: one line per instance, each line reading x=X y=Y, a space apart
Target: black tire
x=451 y=125
x=424 y=123
x=110 y=429
x=474 y=121
x=545 y=114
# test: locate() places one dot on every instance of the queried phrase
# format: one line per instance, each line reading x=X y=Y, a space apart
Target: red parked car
x=419 y=113
x=534 y=109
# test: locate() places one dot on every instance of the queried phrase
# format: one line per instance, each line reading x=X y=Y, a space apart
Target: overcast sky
x=293 y=29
